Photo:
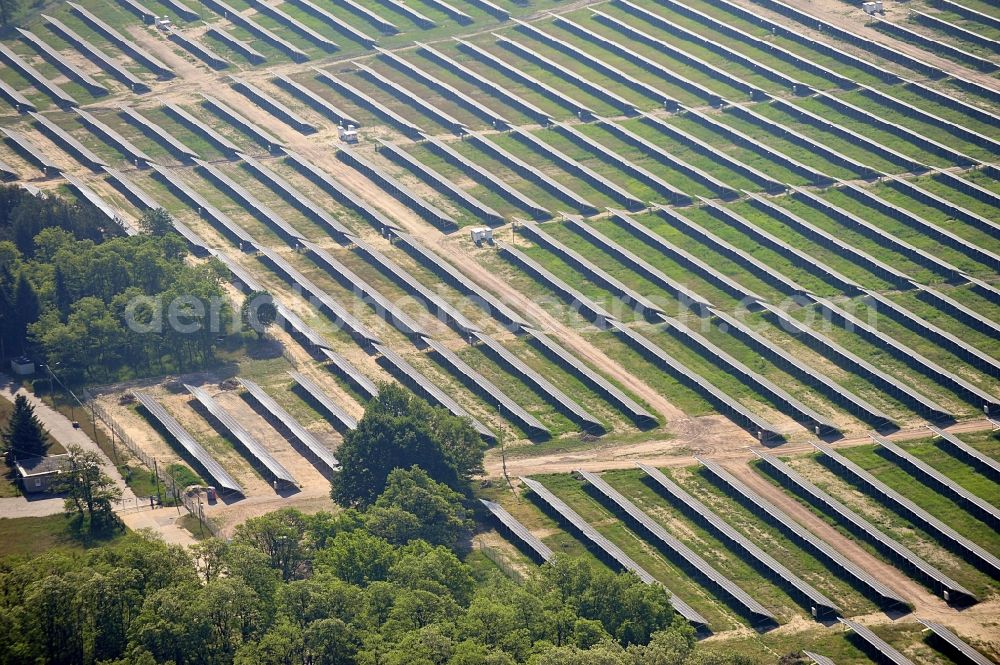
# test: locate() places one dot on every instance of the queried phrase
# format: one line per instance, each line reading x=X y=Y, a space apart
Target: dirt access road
x=682 y=451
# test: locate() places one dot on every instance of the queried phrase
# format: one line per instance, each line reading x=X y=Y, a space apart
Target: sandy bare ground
x=680 y=451
x=851 y=17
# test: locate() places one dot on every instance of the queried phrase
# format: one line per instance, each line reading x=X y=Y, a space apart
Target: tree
x=630 y=610
x=259 y=312
x=61 y=296
x=400 y=430
x=278 y=535
x=89 y=491
x=27 y=309
x=8 y=10
x=357 y=557
x=24 y=435
x=156 y=222
x=440 y=517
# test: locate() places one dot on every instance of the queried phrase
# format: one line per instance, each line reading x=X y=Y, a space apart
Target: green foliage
x=89 y=492
x=23 y=216
x=156 y=222
x=414 y=506
x=24 y=435
x=398 y=431
x=102 y=305
x=259 y=312
x=277 y=535
x=8 y=10
x=296 y=589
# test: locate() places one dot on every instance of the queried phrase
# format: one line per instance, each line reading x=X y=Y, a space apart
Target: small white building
x=22 y=366
x=481 y=234
x=38 y=473
x=348 y=134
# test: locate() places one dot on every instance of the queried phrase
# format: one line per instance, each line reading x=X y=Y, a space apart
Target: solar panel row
x=819 y=605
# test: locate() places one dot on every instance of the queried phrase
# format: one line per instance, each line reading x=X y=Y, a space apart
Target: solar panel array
x=542 y=551
x=819 y=605
x=986 y=464
x=321 y=452
x=814 y=544
x=970 y=550
x=941 y=583
x=875 y=645
x=920 y=469
x=693 y=562
x=205 y=461
x=609 y=548
x=954 y=645
x=344 y=420
x=254 y=448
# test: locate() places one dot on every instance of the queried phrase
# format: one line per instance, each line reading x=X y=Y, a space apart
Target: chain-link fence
x=494 y=555
x=163 y=474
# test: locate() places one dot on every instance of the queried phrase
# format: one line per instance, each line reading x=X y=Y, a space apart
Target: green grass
x=982 y=208
x=193 y=525
x=143 y=481
x=585 y=442
x=640 y=71
x=543 y=163
x=529 y=67
x=798 y=560
x=456 y=177
x=932 y=314
x=572 y=276
x=745 y=73
x=31 y=536
x=679 y=273
x=900 y=528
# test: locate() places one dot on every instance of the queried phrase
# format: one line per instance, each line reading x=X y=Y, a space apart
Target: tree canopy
x=103 y=305
x=413 y=506
x=398 y=431
x=297 y=589
x=24 y=435
x=90 y=493
x=259 y=312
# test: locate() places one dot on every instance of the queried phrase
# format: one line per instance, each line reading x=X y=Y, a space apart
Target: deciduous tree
x=89 y=491
x=400 y=430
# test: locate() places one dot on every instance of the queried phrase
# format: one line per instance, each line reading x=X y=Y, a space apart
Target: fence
x=494 y=555
x=192 y=505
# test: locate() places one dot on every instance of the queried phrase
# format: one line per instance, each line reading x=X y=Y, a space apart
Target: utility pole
x=503 y=450
x=156 y=475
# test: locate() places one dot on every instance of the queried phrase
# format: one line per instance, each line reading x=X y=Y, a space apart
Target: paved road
x=61 y=429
